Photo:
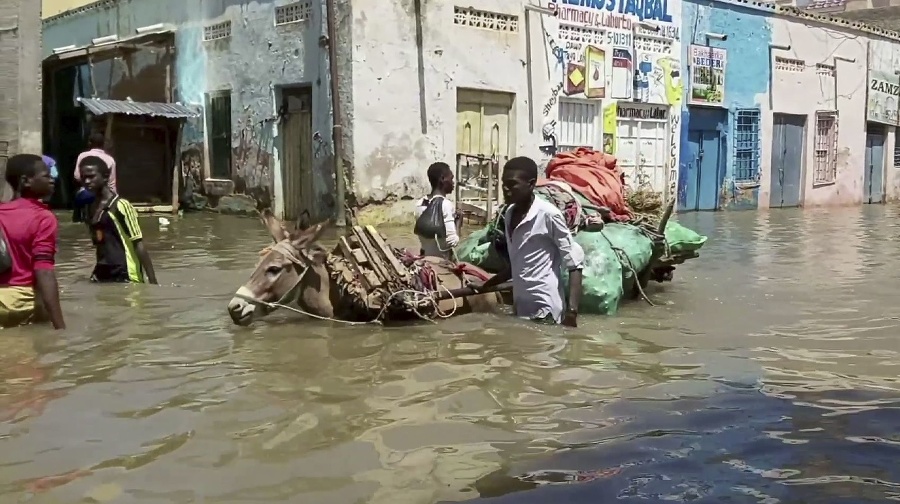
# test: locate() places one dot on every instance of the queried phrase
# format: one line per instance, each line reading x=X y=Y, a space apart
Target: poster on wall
x=707 y=75
x=883 y=102
x=609 y=128
x=622 y=78
x=596 y=69
x=657 y=79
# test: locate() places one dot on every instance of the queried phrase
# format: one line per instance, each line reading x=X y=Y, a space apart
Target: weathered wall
x=390 y=151
x=828 y=62
x=811 y=90
x=254 y=63
x=747 y=74
x=20 y=78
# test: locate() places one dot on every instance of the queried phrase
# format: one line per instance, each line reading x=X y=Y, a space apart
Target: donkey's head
x=278 y=277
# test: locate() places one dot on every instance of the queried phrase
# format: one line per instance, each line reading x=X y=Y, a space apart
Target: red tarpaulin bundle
x=595 y=176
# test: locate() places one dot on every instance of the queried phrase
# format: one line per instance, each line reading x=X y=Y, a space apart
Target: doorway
x=484 y=141
x=297 y=145
x=788 y=140
x=873 y=181
x=705 y=165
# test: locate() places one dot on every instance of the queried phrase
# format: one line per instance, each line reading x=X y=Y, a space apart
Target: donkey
x=295 y=271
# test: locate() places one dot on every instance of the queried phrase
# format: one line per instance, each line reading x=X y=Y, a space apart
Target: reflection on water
x=767 y=373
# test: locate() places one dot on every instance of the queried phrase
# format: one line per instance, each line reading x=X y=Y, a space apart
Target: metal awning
x=98 y=106
x=104 y=45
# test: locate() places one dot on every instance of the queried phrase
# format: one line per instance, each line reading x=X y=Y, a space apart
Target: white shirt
x=440 y=248
x=538 y=247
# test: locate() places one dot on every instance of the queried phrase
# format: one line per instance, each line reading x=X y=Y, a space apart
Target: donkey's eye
x=273 y=270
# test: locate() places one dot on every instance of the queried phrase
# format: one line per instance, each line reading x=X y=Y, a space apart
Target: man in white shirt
x=438 y=242
x=539 y=244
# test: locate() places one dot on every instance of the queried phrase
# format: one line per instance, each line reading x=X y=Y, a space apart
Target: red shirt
x=30 y=229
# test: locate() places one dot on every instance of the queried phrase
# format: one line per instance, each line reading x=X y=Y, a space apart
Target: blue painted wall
x=254 y=63
x=747 y=77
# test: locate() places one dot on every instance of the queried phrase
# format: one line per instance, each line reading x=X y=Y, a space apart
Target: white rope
x=377 y=320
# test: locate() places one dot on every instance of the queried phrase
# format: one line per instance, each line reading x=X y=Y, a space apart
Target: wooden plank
x=348 y=255
x=399 y=269
x=369 y=250
x=359 y=256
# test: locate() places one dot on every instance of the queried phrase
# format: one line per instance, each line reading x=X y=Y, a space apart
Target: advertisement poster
x=622 y=77
x=884 y=92
x=596 y=70
x=707 y=76
x=609 y=129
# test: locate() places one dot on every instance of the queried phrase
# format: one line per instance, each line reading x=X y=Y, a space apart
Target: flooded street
x=767 y=373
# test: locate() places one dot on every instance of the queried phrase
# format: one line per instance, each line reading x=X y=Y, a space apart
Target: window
x=789 y=64
x=219 y=123
x=578 y=125
x=497 y=21
x=826 y=147
x=292 y=13
x=746 y=145
x=217 y=31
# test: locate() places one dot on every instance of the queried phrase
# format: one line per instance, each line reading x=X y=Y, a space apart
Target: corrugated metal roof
x=168 y=110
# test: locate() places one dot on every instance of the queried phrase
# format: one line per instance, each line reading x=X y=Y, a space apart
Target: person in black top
x=115 y=232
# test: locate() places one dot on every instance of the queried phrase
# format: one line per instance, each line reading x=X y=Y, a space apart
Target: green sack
x=682 y=240
x=613 y=258
x=473 y=248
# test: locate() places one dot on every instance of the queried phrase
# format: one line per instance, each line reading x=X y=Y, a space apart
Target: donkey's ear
x=273 y=225
x=305 y=238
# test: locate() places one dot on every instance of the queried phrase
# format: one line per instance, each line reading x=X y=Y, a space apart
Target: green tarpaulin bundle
x=613 y=258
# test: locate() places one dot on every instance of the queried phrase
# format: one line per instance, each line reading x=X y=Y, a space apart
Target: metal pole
x=337 y=133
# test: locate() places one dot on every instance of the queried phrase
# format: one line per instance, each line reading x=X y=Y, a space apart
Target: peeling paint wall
x=390 y=151
x=254 y=63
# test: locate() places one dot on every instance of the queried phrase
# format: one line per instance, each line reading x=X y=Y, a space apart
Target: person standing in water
x=539 y=244
x=115 y=232
x=437 y=224
x=29 y=290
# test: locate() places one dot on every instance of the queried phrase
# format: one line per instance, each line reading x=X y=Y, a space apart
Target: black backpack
x=431 y=223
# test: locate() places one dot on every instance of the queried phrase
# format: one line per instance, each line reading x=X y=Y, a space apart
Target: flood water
x=767 y=373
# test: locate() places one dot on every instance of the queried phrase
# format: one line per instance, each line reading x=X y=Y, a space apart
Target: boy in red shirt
x=28 y=284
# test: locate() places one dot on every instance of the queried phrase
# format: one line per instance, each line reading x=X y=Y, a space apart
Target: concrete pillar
x=20 y=81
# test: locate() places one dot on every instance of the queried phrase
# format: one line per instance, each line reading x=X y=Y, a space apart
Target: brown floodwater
x=767 y=373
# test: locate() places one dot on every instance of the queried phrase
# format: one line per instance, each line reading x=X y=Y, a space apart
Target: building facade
x=20 y=80
x=718 y=105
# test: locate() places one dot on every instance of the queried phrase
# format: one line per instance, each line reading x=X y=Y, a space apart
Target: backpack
x=431 y=223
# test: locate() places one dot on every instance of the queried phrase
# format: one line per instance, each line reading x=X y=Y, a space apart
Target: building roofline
x=794 y=12
x=99 y=4
x=771 y=8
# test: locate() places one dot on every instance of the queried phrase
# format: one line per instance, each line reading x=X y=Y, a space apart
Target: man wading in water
x=115 y=232
x=28 y=284
x=539 y=243
x=437 y=224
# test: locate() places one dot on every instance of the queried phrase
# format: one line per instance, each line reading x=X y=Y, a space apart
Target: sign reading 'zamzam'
x=883 y=102
x=891 y=88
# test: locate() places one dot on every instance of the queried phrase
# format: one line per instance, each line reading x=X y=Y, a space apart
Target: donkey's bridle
x=285 y=248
